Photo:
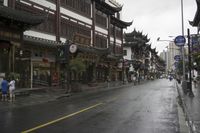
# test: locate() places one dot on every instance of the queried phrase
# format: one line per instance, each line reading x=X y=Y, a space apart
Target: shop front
x=42 y=67
x=12 y=25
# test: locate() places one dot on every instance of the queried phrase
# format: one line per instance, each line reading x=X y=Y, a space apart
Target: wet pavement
x=146 y=108
x=191 y=106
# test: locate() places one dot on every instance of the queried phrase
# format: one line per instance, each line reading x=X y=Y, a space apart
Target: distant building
x=171 y=52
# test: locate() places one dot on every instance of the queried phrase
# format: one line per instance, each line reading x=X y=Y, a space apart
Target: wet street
x=150 y=107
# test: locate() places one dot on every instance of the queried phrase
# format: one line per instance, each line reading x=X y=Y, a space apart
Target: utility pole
x=182 y=48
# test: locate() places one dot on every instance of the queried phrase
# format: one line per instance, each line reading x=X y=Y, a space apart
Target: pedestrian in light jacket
x=11 y=90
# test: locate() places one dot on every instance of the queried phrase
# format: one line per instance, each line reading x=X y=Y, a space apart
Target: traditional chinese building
x=41 y=28
x=196 y=39
x=139 y=51
x=14 y=58
x=196 y=21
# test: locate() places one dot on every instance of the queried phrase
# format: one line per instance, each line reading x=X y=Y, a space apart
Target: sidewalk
x=191 y=108
x=28 y=96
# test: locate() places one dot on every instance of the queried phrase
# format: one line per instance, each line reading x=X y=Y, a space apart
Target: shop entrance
x=41 y=74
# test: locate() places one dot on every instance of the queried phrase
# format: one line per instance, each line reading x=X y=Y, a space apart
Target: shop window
x=125 y=52
x=1 y=2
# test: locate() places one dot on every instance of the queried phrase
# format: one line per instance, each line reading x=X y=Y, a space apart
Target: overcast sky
x=158 y=18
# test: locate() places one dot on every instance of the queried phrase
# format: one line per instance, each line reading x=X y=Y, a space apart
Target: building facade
x=91 y=30
x=143 y=61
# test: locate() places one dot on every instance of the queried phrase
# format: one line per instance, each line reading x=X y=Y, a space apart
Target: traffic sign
x=180 y=41
x=177 y=57
x=176 y=64
x=194 y=40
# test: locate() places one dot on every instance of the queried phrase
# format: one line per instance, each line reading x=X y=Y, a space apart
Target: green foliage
x=179 y=69
x=196 y=58
x=77 y=65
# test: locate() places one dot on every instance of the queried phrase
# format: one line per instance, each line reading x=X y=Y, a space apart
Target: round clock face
x=73 y=48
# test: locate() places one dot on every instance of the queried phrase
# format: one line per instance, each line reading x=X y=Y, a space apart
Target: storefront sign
x=82 y=39
x=11 y=35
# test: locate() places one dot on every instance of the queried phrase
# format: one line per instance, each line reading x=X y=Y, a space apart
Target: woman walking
x=11 y=90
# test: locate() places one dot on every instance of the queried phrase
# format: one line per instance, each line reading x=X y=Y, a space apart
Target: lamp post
x=190 y=65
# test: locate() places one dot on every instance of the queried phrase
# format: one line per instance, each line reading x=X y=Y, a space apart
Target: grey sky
x=158 y=18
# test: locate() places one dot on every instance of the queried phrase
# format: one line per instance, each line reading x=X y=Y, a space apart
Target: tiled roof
x=106 y=8
x=196 y=20
x=120 y=23
x=21 y=16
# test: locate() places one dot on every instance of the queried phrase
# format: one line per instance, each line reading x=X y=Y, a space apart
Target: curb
x=182 y=103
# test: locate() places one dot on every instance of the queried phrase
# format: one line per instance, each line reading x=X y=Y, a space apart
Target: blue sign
x=177 y=57
x=194 y=40
x=176 y=64
x=180 y=41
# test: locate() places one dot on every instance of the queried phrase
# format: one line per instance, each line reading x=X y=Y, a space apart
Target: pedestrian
x=134 y=80
x=4 y=89
x=195 y=82
x=11 y=89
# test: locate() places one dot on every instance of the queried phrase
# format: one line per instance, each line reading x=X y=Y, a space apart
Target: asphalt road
x=147 y=108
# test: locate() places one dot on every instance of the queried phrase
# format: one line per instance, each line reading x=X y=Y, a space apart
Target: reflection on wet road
x=146 y=108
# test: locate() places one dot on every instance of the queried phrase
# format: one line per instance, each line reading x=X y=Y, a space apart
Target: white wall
x=129 y=52
x=76 y=16
x=45 y=3
x=117 y=40
x=101 y=30
x=5 y=3
x=63 y=40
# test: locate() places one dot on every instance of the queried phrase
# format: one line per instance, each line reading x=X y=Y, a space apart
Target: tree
x=76 y=66
x=179 y=69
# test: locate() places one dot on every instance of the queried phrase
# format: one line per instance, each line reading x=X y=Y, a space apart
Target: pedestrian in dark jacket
x=4 y=88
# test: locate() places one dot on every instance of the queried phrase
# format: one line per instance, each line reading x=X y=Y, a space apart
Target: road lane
x=146 y=108
x=60 y=119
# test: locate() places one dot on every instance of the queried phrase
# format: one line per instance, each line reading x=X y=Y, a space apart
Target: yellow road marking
x=60 y=119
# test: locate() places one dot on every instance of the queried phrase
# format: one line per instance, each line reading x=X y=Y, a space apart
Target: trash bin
x=186 y=86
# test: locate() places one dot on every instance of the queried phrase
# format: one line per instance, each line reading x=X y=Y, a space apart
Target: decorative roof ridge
x=108 y=9
x=120 y=23
x=22 y=16
x=197 y=15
